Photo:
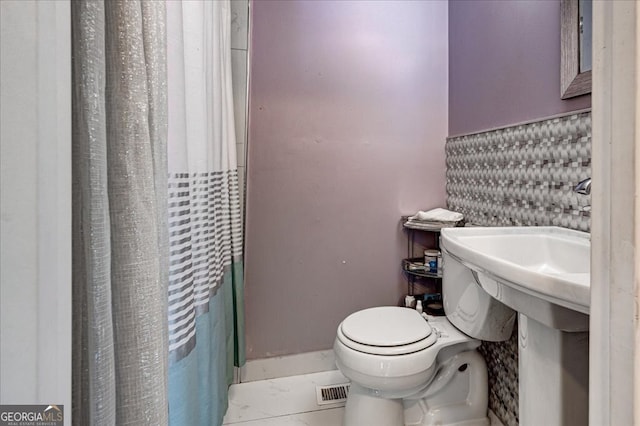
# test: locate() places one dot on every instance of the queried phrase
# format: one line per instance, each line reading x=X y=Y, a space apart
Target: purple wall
x=348 y=119
x=504 y=64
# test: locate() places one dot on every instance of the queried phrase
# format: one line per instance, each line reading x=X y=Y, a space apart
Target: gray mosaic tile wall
x=519 y=176
x=522 y=175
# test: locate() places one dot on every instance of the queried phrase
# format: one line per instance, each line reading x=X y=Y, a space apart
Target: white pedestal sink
x=542 y=273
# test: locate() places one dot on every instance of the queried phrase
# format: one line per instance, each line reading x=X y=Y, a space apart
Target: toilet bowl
x=406 y=369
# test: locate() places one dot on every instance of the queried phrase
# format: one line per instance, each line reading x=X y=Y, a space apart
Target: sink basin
x=543 y=272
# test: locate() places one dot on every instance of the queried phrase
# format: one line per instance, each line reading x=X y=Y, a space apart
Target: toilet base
x=365 y=408
x=414 y=415
x=457 y=396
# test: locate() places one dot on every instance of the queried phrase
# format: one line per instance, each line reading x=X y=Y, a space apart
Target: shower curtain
x=205 y=228
x=157 y=238
x=119 y=213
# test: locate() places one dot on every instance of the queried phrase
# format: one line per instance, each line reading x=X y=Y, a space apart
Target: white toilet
x=407 y=370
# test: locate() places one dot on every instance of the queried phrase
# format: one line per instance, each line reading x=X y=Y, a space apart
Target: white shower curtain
x=205 y=232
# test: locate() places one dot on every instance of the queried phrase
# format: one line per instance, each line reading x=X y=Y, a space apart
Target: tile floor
x=286 y=401
x=289 y=401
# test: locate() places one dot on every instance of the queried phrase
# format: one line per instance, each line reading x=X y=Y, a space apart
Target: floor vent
x=332 y=394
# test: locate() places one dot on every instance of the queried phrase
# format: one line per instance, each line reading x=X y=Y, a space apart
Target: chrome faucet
x=583 y=187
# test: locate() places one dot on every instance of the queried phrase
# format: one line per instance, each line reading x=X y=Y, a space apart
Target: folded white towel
x=438 y=215
x=428 y=226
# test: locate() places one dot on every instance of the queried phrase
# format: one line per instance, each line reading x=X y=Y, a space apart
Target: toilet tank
x=469 y=308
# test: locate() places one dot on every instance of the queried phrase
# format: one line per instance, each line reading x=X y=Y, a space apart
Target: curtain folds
x=157 y=230
x=205 y=227
x=120 y=252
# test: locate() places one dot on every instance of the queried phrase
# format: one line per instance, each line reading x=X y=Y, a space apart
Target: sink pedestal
x=553 y=375
x=542 y=273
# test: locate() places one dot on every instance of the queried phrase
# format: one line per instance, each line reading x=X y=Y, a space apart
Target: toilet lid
x=386 y=326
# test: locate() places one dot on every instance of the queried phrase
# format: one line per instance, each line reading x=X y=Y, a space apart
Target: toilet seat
x=386 y=330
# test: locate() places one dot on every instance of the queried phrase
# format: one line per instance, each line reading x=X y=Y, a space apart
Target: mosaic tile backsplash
x=522 y=175
x=519 y=176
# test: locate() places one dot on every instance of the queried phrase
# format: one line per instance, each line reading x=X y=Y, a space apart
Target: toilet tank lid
x=386 y=326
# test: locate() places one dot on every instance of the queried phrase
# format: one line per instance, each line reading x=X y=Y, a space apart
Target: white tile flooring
x=289 y=401
x=286 y=401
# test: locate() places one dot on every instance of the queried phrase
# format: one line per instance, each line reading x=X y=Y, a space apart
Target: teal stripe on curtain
x=199 y=382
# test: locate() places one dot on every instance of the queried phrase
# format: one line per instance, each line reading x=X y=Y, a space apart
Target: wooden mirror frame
x=572 y=81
